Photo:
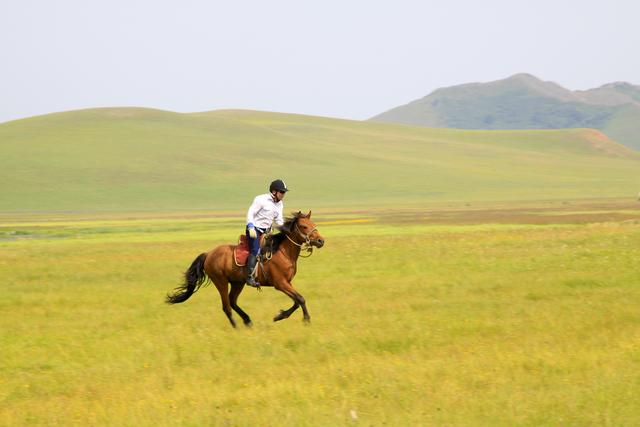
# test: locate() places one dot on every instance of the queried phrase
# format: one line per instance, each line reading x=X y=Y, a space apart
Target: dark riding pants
x=254 y=244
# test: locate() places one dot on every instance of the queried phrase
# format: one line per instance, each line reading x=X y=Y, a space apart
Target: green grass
x=123 y=160
x=623 y=126
x=413 y=323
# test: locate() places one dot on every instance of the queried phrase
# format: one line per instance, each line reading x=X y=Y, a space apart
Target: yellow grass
x=413 y=323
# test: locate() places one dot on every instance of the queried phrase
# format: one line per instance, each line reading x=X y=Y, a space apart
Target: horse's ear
x=309 y=215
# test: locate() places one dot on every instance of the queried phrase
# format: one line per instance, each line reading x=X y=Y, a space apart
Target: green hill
x=132 y=159
x=525 y=102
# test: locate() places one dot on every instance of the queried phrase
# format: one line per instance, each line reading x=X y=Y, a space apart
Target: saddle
x=241 y=251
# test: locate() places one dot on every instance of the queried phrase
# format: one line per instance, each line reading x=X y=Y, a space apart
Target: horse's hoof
x=306 y=320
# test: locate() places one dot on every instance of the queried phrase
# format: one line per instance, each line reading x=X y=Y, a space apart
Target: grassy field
x=488 y=315
x=123 y=160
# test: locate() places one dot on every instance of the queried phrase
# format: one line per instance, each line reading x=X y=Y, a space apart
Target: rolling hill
x=134 y=159
x=526 y=102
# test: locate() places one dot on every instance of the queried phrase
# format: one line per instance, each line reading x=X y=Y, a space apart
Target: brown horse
x=218 y=265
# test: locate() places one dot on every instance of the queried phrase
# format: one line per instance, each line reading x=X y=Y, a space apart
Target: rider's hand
x=252 y=232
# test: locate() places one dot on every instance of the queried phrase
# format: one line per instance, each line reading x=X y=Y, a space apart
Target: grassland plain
x=148 y=160
x=483 y=319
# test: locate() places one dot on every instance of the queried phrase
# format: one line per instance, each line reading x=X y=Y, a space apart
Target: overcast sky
x=347 y=59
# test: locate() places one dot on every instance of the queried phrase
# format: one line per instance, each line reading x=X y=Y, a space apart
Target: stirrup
x=251 y=267
x=252 y=282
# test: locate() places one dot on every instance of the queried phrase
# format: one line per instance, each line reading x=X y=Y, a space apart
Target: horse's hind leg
x=236 y=288
x=223 y=288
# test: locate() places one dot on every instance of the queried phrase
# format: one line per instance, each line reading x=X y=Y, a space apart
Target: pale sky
x=346 y=59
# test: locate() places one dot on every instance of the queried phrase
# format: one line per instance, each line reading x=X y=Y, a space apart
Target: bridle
x=306 y=245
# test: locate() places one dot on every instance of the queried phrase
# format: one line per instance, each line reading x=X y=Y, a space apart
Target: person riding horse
x=218 y=266
x=264 y=211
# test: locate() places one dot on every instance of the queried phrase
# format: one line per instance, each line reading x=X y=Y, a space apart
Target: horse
x=219 y=267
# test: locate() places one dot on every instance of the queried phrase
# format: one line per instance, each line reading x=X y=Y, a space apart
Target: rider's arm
x=251 y=214
x=253 y=210
x=279 y=219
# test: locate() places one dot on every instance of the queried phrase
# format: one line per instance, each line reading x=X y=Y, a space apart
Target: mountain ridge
x=523 y=101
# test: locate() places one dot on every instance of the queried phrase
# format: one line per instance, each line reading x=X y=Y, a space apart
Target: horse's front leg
x=286 y=313
x=298 y=301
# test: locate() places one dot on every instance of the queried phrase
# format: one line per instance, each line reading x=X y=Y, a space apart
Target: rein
x=304 y=246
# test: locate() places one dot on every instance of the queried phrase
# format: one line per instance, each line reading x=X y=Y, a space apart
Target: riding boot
x=251 y=264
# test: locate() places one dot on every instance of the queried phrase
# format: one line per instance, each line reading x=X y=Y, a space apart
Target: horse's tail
x=194 y=277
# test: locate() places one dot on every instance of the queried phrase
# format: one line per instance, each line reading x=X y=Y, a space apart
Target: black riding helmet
x=278 y=185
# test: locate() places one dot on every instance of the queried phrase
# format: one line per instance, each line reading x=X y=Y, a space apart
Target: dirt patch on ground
x=542 y=213
x=600 y=142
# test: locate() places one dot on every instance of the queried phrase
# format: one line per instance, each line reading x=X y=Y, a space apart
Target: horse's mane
x=289 y=222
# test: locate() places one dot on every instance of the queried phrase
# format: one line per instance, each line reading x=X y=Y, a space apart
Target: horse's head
x=305 y=230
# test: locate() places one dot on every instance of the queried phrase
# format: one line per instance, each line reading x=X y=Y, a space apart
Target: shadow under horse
x=219 y=266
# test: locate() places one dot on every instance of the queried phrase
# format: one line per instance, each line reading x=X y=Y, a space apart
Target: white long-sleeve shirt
x=264 y=211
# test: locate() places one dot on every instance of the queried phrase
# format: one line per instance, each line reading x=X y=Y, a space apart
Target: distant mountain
x=523 y=101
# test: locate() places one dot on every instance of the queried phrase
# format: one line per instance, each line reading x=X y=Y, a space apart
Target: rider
x=265 y=209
